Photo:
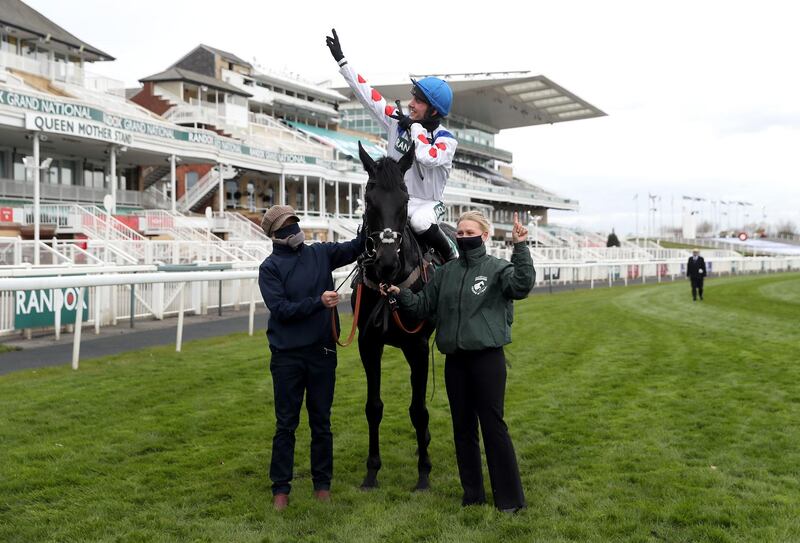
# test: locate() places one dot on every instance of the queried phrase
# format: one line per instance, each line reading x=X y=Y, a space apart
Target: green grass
x=637 y=415
x=6 y=348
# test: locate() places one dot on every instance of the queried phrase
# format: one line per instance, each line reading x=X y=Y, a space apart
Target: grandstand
x=95 y=177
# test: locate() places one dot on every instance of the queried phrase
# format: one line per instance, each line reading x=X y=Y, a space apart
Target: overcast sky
x=703 y=98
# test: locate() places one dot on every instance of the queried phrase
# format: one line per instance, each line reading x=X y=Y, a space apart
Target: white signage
x=71 y=126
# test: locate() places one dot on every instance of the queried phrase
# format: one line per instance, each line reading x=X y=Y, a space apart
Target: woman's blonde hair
x=476 y=216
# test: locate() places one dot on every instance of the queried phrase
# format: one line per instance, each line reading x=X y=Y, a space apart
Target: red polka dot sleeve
x=432 y=154
x=370 y=98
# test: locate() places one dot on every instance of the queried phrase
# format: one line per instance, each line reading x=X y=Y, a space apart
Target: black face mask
x=290 y=236
x=286 y=231
x=467 y=244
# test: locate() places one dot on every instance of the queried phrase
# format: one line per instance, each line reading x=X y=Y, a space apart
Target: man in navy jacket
x=297 y=287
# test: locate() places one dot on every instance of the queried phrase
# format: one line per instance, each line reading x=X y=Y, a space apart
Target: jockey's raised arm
x=434 y=146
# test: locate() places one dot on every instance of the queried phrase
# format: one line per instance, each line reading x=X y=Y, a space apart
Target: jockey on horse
x=434 y=145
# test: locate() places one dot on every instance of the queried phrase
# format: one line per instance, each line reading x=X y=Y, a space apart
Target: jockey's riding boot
x=438 y=241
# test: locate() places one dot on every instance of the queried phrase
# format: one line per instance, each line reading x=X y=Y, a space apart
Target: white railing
x=10 y=188
x=270 y=133
x=186 y=113
x=466 y=180
x=240 y=227
x=60 y=71
x=154 y=295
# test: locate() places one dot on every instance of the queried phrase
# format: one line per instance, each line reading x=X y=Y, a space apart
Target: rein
x=356 y=311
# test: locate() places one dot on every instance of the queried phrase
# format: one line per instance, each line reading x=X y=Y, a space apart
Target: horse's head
x=386 y=212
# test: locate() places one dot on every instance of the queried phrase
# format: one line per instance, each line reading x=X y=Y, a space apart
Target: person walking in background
x=471 y=302
x=696 y=272
x=297 y=287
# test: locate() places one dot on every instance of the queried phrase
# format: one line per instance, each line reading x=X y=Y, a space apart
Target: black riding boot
x=438 y=241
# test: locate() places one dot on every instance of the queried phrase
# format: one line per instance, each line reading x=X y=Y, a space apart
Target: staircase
x=194 y=198
x=345 y=229
x=240 y=228
x=95 y=224
x=154 y=174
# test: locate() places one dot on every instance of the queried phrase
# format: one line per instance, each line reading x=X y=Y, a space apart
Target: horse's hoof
x=369 y=484
x=423 y=485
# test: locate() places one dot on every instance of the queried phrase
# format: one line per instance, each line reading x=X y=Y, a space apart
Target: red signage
x=6 y=214
x=131 y=221
x=743 y=236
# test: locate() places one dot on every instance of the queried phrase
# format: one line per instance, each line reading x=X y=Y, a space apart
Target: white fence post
x=58 y=302
x=97 y=310
x=76 y=343
x=179 y=338
x=252 y=306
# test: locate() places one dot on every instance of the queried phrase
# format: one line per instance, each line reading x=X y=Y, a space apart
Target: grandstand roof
x=503 y=99
x=224 y=54
x=181 y=74
x=17 y=14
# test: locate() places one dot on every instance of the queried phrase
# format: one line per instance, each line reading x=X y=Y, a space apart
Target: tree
x=786 y=228
x=613 y=240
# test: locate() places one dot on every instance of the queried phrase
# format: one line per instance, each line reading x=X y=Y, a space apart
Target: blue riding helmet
x=436 y=92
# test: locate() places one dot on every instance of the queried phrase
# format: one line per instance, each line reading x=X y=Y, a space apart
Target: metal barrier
x=153 y=294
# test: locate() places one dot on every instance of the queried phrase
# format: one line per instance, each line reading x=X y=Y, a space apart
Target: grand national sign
x=37 y=308
x=71 y=119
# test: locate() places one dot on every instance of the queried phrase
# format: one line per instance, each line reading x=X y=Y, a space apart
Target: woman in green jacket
x=471 y=301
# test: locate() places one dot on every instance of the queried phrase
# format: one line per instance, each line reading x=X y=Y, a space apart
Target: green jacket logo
x=480 y=285
x=403 y=143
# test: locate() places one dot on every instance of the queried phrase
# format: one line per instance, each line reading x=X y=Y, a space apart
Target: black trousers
x=476 y=386
x=697 y=286
x=310 y=371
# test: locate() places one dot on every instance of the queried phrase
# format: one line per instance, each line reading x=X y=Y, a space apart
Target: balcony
x=10 y=189
x=62 y=72
x=484 y=151
x=460 y=179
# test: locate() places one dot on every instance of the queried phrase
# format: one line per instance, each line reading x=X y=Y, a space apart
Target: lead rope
x=356 y=311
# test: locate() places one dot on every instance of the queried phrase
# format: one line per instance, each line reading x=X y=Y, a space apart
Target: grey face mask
x=293 y=242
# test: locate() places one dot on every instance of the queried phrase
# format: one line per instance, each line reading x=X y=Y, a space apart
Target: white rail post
x=76 y=344
x=252 y=306
x=179 y=338
x=97 y=310
x=57 y=304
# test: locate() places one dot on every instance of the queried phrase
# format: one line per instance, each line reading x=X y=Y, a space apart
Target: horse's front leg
x=416 y=352
x=371 y=353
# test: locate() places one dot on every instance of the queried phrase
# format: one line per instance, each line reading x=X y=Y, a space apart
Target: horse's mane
x=388 y=175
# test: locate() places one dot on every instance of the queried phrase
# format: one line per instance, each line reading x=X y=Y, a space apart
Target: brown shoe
x=280 y=501
x=322 y=495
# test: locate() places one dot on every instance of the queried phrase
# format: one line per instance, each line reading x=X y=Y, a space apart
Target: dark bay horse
x=393 y=257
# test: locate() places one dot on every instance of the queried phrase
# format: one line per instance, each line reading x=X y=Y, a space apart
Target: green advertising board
x=80 y=120
x=36 y=308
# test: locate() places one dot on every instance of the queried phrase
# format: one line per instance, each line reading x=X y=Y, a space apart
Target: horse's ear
x=369 y=164
x=407 y=159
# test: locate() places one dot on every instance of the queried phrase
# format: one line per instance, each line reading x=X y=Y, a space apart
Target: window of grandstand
x=191 y=179
x=19 y=168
